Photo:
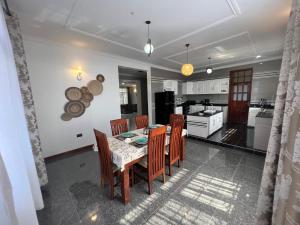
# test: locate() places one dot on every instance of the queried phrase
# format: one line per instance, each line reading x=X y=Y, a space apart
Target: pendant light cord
x=187 y=54
x=148 y=31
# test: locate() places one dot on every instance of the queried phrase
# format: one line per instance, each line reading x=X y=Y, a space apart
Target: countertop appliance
x=164 y=106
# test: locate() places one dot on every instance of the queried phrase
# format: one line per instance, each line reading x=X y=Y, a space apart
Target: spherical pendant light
x=148 y=49
x=187 y=69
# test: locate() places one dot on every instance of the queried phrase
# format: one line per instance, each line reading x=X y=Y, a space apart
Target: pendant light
x=148 y=47
x=187 y=69
x=209 y=69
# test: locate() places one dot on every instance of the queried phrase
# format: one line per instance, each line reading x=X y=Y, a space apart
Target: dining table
x=128 y=151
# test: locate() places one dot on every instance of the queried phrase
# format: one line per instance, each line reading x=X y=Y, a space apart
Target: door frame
x=231 y=86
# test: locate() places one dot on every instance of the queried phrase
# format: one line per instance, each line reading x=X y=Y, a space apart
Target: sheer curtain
x=17 y=164
x=279 y=198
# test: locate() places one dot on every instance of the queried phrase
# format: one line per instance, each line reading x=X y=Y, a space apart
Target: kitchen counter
x=204 y=115
x=257 y=105
x=265 y=115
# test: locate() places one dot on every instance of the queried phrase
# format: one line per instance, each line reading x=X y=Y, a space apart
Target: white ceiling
x=230 y=31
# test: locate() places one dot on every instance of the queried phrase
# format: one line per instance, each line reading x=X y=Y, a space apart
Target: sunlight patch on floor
x=133 y=214
x=174 y=179
x=171 y=212
x=212 y=191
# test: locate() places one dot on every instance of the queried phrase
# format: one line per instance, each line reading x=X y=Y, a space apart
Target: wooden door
x=239 y=95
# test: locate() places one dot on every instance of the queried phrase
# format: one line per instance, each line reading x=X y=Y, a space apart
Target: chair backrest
x=156 y=151
x=141 y=121
x=175 y=140
x=106 y=165
x=176 y=117
x=118 y=126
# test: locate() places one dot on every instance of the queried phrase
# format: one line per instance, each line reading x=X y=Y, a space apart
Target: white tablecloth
x=123 y=153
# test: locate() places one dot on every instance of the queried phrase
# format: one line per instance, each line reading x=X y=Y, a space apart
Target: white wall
x=50 y=68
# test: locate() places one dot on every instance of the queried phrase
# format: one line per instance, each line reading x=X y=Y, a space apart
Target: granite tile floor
x=214 y=186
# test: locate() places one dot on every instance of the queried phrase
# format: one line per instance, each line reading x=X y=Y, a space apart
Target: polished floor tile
x=214 y=185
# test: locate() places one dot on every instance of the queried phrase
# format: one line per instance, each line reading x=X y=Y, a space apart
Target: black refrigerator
x=164 y=106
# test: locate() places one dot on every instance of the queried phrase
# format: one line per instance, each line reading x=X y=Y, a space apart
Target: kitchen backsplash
x=220 y=99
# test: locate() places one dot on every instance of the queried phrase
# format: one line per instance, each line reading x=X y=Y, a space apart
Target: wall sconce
x=78 y=73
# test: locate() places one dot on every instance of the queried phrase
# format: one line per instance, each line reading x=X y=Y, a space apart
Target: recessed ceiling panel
x=123 y=21
x=226 y=50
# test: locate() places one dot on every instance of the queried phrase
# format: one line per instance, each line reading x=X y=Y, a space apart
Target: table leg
x=182 y=152
x=125 y=189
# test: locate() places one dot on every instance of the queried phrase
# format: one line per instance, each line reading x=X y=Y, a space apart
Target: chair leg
x=164 y=177
x=101 y=181
x=112 y=191
x=178 y=162
x=149 y=187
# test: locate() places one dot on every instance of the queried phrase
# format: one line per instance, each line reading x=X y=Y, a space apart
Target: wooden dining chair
x=118 y=126
x=176 y=117
x=154 y=162
x=173 y=152
x=141 y=121
x=108 y=169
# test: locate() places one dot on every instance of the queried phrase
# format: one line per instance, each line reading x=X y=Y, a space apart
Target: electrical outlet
x=79 y=135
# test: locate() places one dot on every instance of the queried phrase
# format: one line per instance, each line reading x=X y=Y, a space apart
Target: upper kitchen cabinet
x=218 y=86
x=188 y=88
x=171 y=85
x=224 y=86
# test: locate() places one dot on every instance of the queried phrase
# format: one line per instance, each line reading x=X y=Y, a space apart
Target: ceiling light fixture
x=258 y=56
x=148 y=47
x=209 y=69
x=187 y=69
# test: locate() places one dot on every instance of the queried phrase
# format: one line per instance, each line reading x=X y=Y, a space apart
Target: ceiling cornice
x=243 y=63
x=205 y=45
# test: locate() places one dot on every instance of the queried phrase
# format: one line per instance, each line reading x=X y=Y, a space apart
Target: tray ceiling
x=229 y=31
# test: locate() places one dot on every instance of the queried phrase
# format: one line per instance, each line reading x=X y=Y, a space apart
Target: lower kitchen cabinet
x=203 y=126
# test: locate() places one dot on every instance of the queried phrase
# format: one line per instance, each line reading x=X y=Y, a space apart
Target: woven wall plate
x=75 y=108
x=87 y=97
x=95 y=87
x=73 y=94
x=66 y=117
x=100 y=77
x=86 y=104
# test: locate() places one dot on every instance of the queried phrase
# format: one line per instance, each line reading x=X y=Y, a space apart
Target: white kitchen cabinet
x=224 y=86
x=184 y=88
x=251 y=116
x=224 y=109
x=203 y=126
x=171 y=85
x=190 y=88
x=217 y=86
x=262 y=132
x=178 y=110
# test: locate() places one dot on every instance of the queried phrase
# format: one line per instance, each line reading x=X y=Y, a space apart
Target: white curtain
x=20 y=174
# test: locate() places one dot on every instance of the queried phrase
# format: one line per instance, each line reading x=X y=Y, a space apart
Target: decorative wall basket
x=81 y=98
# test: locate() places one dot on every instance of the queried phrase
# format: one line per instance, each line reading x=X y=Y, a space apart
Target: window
x=123 y=96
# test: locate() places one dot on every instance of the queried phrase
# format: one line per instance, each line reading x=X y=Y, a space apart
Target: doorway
x=240 y=95
x=133 y=94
